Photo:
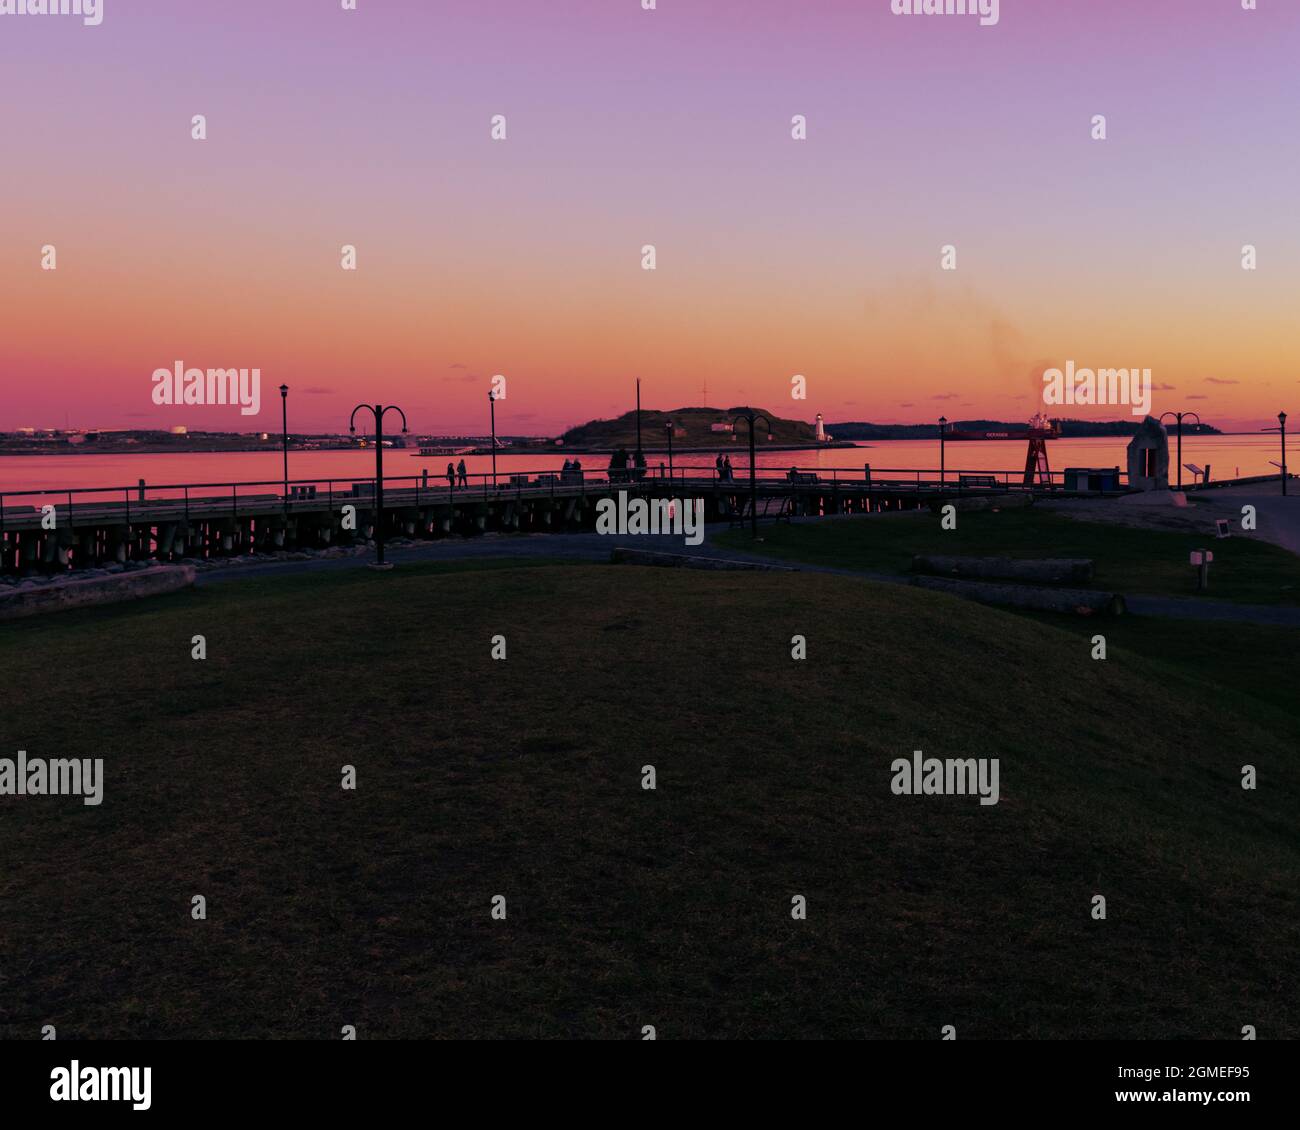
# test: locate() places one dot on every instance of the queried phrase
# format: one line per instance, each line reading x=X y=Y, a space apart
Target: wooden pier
x=54 y=531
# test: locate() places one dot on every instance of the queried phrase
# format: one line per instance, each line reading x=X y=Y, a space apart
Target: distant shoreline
x=414 y=451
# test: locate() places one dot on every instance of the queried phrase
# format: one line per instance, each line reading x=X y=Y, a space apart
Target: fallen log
x=82 y=592
x=1080 y=602
x=1046 y=571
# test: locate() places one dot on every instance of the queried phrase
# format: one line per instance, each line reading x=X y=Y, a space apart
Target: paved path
x=1277 y=517
x=1221 y=610
x=596 y=548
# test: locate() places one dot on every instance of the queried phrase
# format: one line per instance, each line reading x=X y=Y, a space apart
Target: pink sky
x=626 y=127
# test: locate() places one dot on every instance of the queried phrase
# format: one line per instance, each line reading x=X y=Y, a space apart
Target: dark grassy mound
x=626 y=907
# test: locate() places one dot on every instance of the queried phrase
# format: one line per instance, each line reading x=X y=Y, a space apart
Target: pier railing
x=268 y=495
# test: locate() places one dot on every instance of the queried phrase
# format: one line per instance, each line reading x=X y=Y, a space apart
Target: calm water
x=1228 y=456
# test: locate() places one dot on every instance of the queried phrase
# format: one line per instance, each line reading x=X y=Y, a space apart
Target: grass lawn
x=1128 y=560
x=626 y=907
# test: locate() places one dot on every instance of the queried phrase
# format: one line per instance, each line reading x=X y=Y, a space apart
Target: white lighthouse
x=821 y=429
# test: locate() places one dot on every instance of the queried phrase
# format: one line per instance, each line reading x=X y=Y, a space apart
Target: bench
x=977 y=481
x=803 y=477
x=775 y=507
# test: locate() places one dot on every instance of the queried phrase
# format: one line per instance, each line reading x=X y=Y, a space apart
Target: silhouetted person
x=451 y=476
x=718 y=467
x=726 y=466
x=462 y=479
x=639 y=461
x=618 y=466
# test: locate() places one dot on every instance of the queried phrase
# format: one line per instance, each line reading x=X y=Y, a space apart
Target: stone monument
x=1148 y=457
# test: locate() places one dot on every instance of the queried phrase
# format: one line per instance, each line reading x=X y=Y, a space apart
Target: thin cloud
x=1217 y=381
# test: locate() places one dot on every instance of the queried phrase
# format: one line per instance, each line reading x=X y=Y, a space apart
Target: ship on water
x=1039 y=427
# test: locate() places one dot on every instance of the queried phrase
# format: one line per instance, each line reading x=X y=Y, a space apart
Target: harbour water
x=1229 y=456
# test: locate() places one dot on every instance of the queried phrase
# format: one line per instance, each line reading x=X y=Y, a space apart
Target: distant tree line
x=1069 y=428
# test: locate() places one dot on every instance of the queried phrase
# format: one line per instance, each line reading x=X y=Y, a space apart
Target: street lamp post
x=668 y=428
x=1281 y=430
x=492 y=403
x=1179 y=416
x=378 y=411
x=284 y=437
x=943 y=427
x=752 y=418
x=638 y=413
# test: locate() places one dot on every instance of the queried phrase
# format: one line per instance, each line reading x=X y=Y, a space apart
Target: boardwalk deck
x=58 y=530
